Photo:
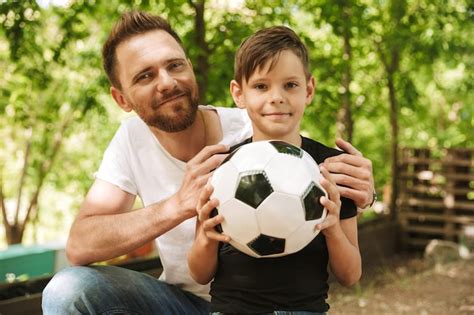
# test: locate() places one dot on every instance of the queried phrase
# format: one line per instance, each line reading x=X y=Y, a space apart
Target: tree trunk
x=394 y=144
x=345 y=123
x=15 y=231
x=203 y=49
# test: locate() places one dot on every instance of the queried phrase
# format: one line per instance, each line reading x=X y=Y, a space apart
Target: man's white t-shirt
x=136 y=162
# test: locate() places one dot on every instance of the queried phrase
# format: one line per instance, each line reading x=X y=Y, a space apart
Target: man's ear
x=120 y=99
x=310 y=87
x=236 y=92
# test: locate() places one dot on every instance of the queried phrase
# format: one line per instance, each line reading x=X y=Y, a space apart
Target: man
x=165 y=156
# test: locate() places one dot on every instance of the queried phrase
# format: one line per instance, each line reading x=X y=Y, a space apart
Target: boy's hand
x=204 y=208
x=198 y=171
x=352 y=172
x=332 y=203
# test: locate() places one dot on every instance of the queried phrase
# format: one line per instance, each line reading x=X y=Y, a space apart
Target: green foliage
x=54 y=89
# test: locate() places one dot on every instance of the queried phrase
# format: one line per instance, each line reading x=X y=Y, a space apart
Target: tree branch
x=44 y=169
x=383 y=57
x=6 y=224
x=191 y=3
x=23 y=175
x=2 y=201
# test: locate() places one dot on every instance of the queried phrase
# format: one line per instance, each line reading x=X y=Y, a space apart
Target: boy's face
x=275 y=100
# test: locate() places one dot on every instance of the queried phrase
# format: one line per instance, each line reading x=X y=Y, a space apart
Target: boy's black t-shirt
x=243 y=284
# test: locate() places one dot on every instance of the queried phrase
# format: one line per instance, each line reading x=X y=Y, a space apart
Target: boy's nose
x=276 y=97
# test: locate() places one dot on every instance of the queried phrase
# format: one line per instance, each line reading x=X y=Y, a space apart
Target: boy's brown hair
x=131 y=24
x=266 y=45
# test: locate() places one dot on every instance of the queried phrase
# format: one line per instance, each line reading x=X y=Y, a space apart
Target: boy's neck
x=295 y=140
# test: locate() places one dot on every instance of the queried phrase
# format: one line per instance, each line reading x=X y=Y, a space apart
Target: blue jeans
x=280 y=313
x=113 y=290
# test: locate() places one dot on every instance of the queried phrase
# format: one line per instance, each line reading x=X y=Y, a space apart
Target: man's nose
x=166 y=82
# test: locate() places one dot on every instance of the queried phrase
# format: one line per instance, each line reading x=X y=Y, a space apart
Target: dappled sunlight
x=393 y=77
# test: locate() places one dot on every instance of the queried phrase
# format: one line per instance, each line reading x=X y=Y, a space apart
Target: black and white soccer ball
x=269 y=195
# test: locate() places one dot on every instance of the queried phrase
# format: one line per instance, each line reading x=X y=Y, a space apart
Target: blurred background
x=395 y=78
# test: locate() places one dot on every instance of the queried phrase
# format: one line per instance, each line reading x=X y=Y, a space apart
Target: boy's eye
x=260 y=86
x=291 y=85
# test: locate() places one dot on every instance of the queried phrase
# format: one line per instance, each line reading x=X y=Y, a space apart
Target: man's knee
x=100 y=289
x=67 y=288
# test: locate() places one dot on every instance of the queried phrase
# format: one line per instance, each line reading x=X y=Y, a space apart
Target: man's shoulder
x=131 y=125
x=228 y=111
x=235 y=124
x=131 y=132
x=132 y=122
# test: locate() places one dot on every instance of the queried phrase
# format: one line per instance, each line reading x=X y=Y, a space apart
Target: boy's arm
x=341 y=236
x=202 y=258
x=344 y=255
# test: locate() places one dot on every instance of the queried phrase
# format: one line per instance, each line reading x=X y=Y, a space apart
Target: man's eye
x=176 y=65
x=144 y=76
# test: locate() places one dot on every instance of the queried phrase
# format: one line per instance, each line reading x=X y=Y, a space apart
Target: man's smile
x=168 y=100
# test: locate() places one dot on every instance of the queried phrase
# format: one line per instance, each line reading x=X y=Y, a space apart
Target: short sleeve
x=320 y=152
x=115 y=167
x=348 y=208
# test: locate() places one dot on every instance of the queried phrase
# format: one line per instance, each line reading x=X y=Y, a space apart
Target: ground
x=410 y=285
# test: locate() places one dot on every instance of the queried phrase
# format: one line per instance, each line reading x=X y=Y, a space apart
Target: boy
x=273 y=82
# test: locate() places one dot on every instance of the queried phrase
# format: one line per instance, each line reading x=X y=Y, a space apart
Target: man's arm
x=352 y=174
x=106 y=228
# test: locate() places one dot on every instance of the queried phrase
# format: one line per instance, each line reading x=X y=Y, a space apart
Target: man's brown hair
x=131 y=24
x=265 y=45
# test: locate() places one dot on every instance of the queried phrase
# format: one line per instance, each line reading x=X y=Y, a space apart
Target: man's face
x=157 y=81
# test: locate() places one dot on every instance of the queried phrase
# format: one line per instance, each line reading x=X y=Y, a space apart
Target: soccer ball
x=269 y=194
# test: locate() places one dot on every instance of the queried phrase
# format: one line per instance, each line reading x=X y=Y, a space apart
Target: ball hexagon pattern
x=269 y=195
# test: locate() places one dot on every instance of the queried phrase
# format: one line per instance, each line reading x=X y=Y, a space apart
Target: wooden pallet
x=436 y=198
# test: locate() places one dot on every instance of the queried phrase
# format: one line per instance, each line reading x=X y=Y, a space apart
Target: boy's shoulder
x=318 y=151
x=238 y=145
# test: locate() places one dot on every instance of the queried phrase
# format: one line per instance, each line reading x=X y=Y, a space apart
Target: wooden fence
x=436 y=197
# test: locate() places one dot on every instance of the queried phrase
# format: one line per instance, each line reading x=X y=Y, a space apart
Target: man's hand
x=198 y=171
x=352 y=174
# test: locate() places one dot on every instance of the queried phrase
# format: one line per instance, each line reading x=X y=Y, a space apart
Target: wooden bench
x=25 y=297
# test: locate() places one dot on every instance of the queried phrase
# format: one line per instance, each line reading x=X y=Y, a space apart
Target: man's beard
x=182 y=113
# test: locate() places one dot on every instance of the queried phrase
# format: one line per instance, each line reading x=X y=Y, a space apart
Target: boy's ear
x=236 y=92
x=120 y=99
x=310 y=87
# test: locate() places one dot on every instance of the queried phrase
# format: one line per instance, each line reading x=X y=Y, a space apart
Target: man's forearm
x=101 y=237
